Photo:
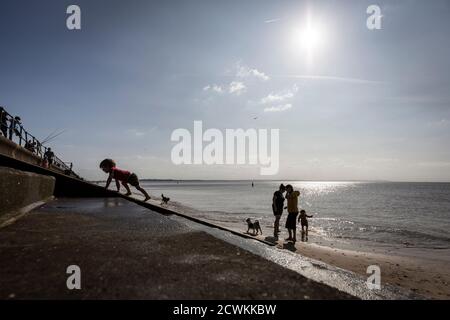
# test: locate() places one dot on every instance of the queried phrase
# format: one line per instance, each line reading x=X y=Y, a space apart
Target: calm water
x=382 y=214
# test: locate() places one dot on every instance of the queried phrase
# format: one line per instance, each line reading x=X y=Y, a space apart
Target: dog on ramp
x=253 y=225
x=164 y=200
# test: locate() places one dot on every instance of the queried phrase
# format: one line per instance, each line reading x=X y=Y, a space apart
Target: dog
x=254 y=226
x=164 y=200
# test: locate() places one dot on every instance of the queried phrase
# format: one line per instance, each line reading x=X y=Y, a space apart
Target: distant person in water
x=292 y=207
x=121 y=176
x=277 y=208
x=303 y=219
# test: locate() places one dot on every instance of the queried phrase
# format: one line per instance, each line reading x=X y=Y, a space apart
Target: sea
x=392 y=217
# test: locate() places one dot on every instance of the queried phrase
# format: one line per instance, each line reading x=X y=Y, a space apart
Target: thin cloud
x=237 y=87
x=279 y=108
x=382 y=160
x=214 y=88
x=330 y=78
x=440 y=123
x=234 y=88
x=433 y=164
x=136 y=132
x=140 y=133
x=246 y=72
x=271 y=20
x=280 y=97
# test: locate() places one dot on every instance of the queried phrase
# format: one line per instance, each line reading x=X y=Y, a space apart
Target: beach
x=428 y=278
x=421 y=270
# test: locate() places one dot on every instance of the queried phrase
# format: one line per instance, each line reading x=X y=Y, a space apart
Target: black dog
x=164 y=200
x=254 y=226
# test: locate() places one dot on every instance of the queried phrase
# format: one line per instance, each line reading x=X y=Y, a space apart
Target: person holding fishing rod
x=49 y=157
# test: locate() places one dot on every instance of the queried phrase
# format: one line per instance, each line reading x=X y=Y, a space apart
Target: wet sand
x=429 y=278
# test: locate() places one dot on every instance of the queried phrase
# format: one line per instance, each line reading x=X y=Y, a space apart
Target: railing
x=11 y=127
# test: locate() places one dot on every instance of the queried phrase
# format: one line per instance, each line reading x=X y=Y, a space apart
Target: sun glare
x=308 y=39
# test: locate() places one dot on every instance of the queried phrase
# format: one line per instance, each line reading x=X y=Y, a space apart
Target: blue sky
x=369 y=105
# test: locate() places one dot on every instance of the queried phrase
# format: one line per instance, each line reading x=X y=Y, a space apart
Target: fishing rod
x=52 y=136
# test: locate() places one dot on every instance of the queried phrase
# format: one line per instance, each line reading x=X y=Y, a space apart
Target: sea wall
x=19 y=189
x=65 y=186
x=13 y=150
x=14 y=156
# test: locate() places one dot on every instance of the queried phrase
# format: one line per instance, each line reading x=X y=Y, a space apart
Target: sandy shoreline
x=429 y=278
x=426 y=277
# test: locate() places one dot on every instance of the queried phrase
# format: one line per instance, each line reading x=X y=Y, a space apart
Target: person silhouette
x=3 y=122
x=292 y=207
x=277 y=208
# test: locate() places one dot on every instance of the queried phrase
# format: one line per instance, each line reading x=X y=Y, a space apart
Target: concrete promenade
x=126 y=251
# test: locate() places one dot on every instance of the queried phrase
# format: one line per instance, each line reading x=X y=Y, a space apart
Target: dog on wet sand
x=164 y=200
x=253 y=226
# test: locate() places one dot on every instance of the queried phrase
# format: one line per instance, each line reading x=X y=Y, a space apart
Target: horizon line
x=301 y=180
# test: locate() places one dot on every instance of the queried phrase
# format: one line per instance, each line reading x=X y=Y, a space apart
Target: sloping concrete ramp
x=125 y=251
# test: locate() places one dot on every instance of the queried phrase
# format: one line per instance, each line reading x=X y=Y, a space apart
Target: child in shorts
x=123 y=176
x=302 y=218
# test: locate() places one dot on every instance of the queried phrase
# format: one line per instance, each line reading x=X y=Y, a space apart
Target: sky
x=350 y=103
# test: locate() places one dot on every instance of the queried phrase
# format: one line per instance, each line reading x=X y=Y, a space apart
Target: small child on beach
x=125 y=177
x=302 y=218
x=292 y=208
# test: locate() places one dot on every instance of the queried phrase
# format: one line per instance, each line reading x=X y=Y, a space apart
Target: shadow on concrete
x=289 y=246
x=271 y=239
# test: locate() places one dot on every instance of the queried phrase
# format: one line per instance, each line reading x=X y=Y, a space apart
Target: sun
x=308 y=39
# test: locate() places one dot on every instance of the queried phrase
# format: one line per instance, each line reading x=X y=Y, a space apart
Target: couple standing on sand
x=292 y=208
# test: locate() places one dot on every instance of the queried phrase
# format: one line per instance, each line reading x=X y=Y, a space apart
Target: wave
x=394 y=236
